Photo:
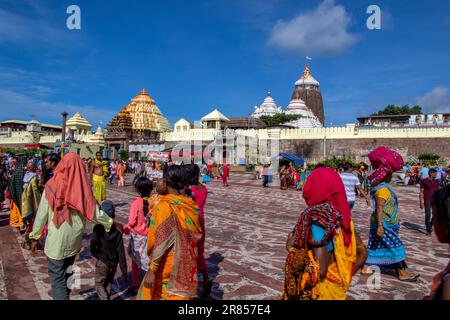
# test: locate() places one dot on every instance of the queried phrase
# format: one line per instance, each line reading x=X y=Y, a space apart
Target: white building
x=267 y=108
x=307 y=118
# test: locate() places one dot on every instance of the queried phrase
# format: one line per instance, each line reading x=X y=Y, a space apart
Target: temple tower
x=307 y=89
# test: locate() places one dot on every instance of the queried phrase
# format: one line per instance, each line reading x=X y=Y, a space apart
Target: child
x=441 y=219
x=298 y=179
x=137 y=227
x=108 y=248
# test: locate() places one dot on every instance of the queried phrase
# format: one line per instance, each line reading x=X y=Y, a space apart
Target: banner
x=435 y=119
x=417 y=119
x=158 y=156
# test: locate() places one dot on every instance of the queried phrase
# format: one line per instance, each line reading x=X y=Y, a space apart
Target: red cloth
x=69 y=188
x=225 y=171
x=200 y=198
x=325 y=185
x=385 y=161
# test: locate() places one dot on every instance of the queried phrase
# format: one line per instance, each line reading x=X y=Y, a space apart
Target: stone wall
x=357 y=149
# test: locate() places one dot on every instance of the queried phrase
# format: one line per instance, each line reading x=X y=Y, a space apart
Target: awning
x=298 y=162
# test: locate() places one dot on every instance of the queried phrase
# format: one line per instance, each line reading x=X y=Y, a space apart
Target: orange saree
x=173 y=235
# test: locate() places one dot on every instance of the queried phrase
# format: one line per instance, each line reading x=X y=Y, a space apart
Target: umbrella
x=298 y=162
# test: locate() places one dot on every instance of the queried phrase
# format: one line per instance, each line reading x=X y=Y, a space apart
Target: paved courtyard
x=246 y=229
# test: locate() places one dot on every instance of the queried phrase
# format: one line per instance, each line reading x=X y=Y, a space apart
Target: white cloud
x=321 y=32
x=14 y=105
x=438 y=100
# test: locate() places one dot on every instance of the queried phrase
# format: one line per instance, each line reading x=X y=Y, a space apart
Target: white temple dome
x=307 y=118
x=267 y=108
x=296 y=104
x=307 y=79
x=78 y=121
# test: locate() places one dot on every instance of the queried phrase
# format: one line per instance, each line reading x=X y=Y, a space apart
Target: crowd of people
x=292 y=177
x=52 y=199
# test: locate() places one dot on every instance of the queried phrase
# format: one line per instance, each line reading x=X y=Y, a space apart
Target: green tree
x=429 y=158
x=392 y=109
x=279 y=118
x=123 y=154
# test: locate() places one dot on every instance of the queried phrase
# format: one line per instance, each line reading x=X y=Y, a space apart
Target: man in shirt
x=427 y=187
x=50 y=163
x=424 y=172
x=351 y=183
x=66 y=206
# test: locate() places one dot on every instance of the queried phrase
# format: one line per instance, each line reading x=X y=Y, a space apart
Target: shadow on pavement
x=413 y=226
x=213 y=271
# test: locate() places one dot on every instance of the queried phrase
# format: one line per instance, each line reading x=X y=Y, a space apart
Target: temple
x=140 y=121
x=267 y=108
x=307 y=119
x=307 y=90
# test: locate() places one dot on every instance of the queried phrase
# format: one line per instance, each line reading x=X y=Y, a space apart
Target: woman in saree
x=172 y=241
x=385 y=246
x=31 y=197
x=283 y=178
x=291 y=175
x=303 y=176
x=324 y=250
x=15 y=188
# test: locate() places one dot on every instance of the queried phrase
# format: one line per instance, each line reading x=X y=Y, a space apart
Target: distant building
x=306 y=103
x=215 y=120
x=307 y=89
x=405 y=120
x=246 y=123
x=140 y=121
x=307 y=119
x=19 y=125
x=267 y=108
x=18 y=134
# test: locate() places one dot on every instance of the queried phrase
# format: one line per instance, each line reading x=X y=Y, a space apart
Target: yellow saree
x=31 y=197
x=340 y=271
x=172 y=248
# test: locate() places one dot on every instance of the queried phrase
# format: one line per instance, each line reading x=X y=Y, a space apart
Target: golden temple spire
x=306 y=73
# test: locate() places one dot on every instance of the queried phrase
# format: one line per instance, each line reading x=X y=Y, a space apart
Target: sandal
x=367 y=273
x=413 y=278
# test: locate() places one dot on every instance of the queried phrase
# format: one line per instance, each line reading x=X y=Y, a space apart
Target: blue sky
x=194 y=56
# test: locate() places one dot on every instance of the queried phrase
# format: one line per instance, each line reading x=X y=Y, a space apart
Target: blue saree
x=389 y=250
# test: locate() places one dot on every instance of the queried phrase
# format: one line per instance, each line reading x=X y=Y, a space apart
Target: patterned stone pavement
x=246 y=229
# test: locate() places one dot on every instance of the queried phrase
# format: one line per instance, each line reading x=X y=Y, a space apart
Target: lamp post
x=63 y=138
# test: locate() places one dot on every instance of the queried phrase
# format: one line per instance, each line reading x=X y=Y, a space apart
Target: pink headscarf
x=385 y=161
